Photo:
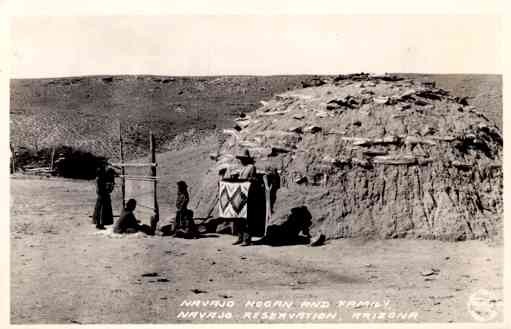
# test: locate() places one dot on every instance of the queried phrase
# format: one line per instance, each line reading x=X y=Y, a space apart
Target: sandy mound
x=375 y=156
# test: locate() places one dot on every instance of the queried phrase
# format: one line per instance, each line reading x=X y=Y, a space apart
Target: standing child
x=185 y=226
x=181 y=203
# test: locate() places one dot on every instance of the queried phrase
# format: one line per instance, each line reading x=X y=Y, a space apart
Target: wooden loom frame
x=149 y=178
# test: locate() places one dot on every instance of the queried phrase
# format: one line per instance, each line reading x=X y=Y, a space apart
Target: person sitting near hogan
x=128 y=223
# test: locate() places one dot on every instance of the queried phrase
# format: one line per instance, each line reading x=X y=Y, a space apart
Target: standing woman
x=105 y=181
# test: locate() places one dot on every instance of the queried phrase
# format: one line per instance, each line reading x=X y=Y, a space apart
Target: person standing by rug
x=247 y=172
x=105 y=182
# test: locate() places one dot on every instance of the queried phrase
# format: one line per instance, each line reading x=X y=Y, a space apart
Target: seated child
x=127 y=223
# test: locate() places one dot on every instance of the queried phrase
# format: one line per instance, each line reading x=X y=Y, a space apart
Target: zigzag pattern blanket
x=233 y=199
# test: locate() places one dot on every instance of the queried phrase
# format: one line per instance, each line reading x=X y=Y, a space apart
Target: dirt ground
x=64 y=271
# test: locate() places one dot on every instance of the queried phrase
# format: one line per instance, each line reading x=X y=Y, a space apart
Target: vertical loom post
x=123 y=178
x=52 y=158
x=13 y=159
x=267 y=189
x=153 y=174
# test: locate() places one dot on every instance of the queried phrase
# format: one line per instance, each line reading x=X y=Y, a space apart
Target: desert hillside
x=83 y=112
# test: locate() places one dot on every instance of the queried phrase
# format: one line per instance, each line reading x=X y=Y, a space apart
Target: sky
x=53 y=46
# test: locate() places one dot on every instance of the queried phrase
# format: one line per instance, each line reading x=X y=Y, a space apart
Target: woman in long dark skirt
x=105 y=180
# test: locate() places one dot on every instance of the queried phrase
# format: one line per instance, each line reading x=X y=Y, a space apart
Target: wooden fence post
x=13 y=159
x=152 y=146
x=123 y=179
x=52 y=158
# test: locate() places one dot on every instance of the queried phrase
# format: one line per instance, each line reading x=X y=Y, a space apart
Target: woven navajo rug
x=233 y=199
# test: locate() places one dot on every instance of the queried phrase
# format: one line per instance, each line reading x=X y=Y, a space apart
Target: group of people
x=127 y=222
x=184 y=225
x=248 y=172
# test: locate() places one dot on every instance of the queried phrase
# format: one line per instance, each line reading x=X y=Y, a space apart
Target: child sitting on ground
x=127 y=222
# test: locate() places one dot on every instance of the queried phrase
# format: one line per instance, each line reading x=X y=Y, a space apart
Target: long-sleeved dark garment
x=103 y=214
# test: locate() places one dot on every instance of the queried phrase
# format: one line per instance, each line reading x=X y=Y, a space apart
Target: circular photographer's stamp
x=482 y=305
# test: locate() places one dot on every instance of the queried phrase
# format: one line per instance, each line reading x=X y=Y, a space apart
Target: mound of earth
x=375 y=156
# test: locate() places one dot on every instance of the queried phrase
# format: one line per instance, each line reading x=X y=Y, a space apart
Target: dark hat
x=244 y=155
x=182 y=183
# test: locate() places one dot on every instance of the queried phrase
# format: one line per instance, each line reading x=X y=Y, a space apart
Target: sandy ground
x=64 y=271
